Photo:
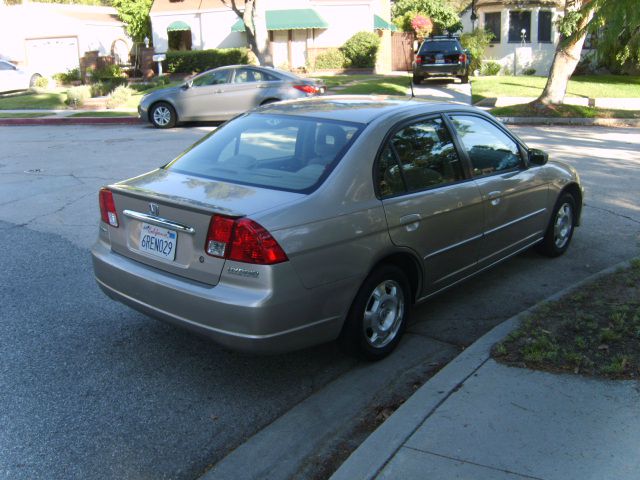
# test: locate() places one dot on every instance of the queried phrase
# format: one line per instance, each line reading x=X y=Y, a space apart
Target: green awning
x=380 y=23
x=298 y=19
x=178 y=26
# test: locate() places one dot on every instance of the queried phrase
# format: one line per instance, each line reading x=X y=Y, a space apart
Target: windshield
x=273 y=151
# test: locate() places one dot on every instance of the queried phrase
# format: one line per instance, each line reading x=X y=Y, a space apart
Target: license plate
x=439 y=60
x=158 y=241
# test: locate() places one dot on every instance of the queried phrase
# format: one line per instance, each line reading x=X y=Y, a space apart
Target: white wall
x=344 y=21
x=216 y=30
x=160 y=23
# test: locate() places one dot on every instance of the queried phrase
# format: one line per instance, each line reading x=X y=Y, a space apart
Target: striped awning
x=380 y=23
x=298 y=19
x=178 y=26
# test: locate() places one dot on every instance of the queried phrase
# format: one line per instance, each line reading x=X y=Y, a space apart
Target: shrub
x=155 y=82
x=41 y=82
x=76 y=96
x=196 y=61
x=119 y=96
x=361 y=49
x=476 y=42
x=106 y=85
x=529 y=71
x=490 y=68
x=67 y=77
x=108 y=71
x=331 y=58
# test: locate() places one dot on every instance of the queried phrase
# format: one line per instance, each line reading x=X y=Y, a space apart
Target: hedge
x=196 y=61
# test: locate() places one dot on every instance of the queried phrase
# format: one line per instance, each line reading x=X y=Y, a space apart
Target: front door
x=203 y=100
x=513 y=195
x=430 y=206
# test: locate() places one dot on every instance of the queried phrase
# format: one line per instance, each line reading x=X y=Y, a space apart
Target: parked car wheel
x=417 y=80
x=378 y=315
x=163 y=115
x=560 y=230
x=34 y=79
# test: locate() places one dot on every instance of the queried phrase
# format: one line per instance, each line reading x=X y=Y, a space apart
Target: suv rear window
x=272 y=151
x=434 y=46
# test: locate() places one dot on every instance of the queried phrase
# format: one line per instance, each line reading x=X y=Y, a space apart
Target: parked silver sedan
x=223 y=93
x=306 y=221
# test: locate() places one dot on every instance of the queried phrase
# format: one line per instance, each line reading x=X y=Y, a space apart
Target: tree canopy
x=443 y=14
x=135 y=15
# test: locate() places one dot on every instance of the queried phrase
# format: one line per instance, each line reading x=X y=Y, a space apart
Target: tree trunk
x=255 y=21
x=566 y=57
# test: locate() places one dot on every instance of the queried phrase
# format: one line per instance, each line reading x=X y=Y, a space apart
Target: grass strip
x=24 y=115
x=594 y=331
x=562 y=111
x=102 y=113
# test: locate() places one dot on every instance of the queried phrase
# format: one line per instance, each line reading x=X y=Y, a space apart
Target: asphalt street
x=92 y=389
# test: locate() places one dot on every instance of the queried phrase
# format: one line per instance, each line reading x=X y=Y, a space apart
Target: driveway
x=449 y=90
x=92 y=389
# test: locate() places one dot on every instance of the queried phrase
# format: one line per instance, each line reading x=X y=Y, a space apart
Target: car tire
x=561 y=226
x=379 y=314
x=163 y=115
x=417 y=80
x=34 y=79
x=464 y=78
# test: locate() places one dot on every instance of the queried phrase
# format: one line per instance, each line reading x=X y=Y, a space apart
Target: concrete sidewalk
x=477 y=419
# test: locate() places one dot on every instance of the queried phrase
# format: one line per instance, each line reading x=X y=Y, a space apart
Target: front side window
x=419 y=156
x=272 y=151
x=490 y=150
x=211 y=78
x=492 y=23
x=544 y=26
x=518 y=21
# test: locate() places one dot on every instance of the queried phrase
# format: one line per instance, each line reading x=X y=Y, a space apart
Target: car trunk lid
x=164 y=218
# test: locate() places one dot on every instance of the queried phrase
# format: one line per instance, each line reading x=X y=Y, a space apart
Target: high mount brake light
x=242 y=240
x=108 y=207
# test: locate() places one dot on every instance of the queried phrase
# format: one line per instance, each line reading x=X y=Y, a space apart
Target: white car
x=13 y=78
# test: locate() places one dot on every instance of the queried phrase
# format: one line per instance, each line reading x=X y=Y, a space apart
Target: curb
x=389 y=437
x=584 y=122
x=71 y=121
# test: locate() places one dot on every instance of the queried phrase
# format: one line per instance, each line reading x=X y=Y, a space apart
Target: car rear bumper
x=440 y=70
x=254 y=320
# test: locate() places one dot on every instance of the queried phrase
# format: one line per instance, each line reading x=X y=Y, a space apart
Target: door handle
x=494 y=197
x=410 y=222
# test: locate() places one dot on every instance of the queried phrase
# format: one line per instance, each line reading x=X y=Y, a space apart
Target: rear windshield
x=273 y=151
x=440 y=46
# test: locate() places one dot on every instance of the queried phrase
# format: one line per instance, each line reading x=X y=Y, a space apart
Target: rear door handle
x=410 y=222
x=494 y=197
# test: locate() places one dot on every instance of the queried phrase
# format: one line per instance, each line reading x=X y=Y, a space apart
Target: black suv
x=441 y=56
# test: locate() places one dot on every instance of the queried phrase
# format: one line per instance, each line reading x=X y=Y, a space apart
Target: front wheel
x=560 y=230
x=379 y=314
x=163 y=115
x=34 y=79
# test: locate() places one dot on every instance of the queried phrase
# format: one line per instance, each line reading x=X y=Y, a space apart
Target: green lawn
x=367 y=84
x=34 y=101
x=587 y=86
x=104 y=113
x=565 y=111
x=22 y=115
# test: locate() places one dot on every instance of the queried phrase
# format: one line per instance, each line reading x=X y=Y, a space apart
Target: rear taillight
x=108 y=207
x=242 y=240
x=462 y=58
x=418 y=59
x=309 y=89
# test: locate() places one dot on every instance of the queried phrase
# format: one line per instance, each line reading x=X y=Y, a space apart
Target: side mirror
x=187 y=85
x=538 y=157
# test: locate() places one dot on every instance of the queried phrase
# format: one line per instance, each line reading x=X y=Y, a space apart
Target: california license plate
x=157 y=241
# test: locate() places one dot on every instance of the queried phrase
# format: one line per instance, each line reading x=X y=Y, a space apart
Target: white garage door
x=52 y=55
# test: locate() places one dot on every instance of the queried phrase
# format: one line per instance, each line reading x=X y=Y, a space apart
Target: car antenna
x=409 y=70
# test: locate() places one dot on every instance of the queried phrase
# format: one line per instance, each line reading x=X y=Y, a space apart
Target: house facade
x=298 y=29
x=50 y=38
x=524 y=32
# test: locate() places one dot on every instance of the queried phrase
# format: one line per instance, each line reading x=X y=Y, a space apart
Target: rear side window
x=490 y=150
x=272 y=151
x=419 y=156
x=449 y=46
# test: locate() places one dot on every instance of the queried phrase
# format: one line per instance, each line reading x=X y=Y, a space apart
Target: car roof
x=359 y=108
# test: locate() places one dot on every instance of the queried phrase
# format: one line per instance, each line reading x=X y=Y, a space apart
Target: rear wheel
x=560 y=230
x=163 y=115
x=269 y=100
x=464 y=78
x=417 y=79
x=379 y=314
